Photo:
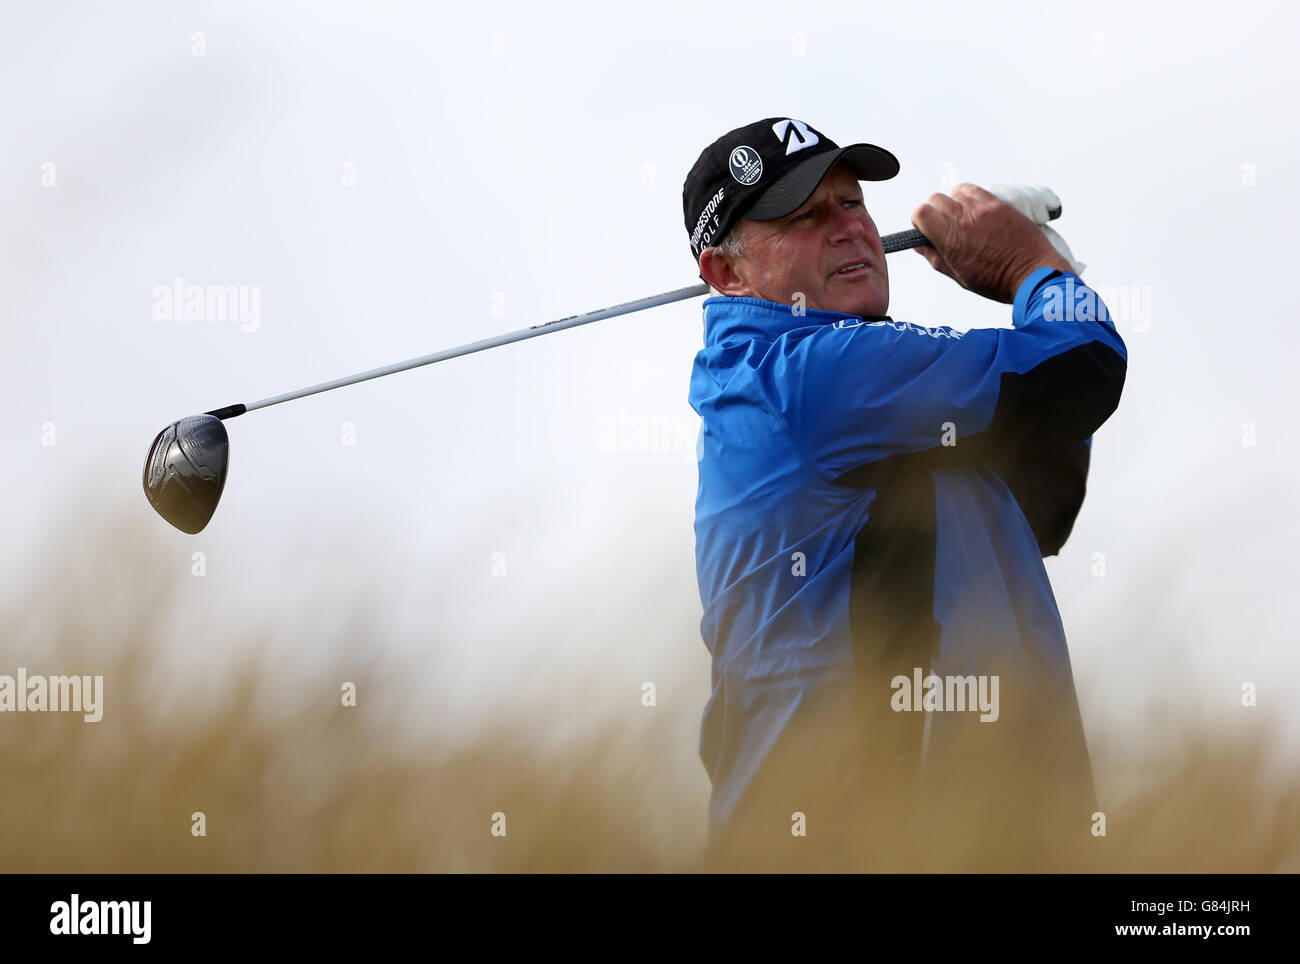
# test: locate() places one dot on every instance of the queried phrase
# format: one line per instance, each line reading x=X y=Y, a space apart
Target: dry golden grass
x=315 y=787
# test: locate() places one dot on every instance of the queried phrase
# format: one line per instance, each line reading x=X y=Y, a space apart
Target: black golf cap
x=766 y=170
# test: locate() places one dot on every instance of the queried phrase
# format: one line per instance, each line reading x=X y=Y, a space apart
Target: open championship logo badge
x=746 y=165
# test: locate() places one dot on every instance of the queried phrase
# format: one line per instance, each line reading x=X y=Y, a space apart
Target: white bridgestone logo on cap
x=708 y=221
x=746 y=165
x=802 y=138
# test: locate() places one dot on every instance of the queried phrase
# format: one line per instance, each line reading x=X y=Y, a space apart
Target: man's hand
x=983 y=243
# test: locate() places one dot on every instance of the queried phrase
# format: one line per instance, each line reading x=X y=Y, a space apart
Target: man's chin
x=862 y=297
x=869 y=307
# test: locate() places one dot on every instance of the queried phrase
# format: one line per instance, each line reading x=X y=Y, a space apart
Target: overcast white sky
x=512 y=163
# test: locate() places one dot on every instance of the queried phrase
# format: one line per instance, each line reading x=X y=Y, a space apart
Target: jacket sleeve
x=1049 y=478
x=853 y=393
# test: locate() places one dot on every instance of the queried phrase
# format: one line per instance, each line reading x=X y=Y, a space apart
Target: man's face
x=803 y=252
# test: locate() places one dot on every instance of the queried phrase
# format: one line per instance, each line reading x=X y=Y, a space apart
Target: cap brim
x=869 y=163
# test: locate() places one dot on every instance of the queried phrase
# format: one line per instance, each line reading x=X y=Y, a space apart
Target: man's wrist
x=1053 y=261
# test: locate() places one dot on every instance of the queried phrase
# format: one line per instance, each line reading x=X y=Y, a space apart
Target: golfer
x=890 y=670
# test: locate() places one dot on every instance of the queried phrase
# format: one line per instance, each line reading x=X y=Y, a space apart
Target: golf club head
x=186 y=471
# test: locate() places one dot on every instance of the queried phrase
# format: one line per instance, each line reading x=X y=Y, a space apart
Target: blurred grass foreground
x=289 y=780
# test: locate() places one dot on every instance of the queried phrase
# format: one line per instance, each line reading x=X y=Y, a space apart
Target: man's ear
x=717 y=269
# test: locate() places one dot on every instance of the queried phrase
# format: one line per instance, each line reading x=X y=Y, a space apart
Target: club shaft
x=496 y=341
x=892 y=242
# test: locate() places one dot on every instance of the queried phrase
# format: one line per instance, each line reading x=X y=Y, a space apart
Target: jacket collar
x=729 y=319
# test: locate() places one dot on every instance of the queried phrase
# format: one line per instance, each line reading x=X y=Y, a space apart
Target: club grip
x=903 y=240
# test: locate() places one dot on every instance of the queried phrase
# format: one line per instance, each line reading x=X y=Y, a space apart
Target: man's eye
x=806 y=214
x=858 y=203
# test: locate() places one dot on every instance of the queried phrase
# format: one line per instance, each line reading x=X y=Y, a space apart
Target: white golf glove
x=1034 y=203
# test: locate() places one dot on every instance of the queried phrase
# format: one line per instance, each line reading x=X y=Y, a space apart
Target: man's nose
x=847 y=224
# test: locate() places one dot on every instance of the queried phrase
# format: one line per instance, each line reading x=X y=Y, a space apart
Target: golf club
x=185 y=471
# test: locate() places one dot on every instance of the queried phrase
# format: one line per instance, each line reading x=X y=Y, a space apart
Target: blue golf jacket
x=877 y=495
